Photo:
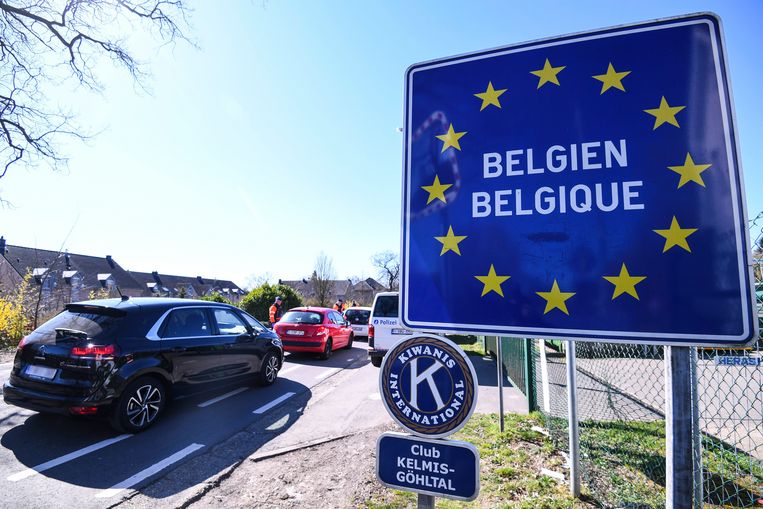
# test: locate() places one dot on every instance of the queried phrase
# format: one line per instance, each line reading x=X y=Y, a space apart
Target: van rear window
x=386 y=306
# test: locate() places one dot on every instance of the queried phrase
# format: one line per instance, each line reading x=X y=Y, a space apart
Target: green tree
x=258 y=301
x=216 y=297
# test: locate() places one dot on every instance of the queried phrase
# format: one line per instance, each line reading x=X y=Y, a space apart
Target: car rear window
x=357 y=316
x=307 y=317
x=72 y=324
x=386 y=306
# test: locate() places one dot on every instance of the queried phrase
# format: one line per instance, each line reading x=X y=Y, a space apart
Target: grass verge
x=470 y=344
x=510 y=466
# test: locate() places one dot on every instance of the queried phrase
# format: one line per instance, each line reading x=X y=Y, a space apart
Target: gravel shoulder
x=335 y=474
x=6 y=355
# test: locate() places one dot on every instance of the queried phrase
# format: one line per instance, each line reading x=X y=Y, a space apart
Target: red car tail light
x=84 y=410
x=370 y=331
x=96 y=350
x=320 y=331
x=22 y=343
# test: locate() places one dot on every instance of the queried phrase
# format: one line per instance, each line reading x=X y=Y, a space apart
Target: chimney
x=111 y=261
x=279 y=281
x=200 y=280
x=2 y=245
x=68 y=261
x=157 y=278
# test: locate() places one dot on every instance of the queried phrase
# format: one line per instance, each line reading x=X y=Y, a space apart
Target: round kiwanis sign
x=428 y=386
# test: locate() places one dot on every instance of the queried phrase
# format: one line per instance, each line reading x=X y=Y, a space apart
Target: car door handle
x=177 y=349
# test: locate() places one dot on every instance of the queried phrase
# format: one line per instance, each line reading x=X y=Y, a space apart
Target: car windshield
x=357 y=316
x=386 y=306
x=306 y=317
x=69 y=324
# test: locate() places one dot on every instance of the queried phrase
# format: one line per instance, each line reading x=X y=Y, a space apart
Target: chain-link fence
x=621 y=402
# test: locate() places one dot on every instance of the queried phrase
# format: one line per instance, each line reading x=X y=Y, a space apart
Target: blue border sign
x=428 y=386
x=584 y=187
x=443 y=468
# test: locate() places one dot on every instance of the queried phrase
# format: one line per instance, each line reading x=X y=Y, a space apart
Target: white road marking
x=289 y=369
x=148 y=472
x=277 y=401
x=63 y=459
x=327 y=373
x=224 y=396
x=374 y=395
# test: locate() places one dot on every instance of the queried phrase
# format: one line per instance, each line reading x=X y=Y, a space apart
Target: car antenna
x=123 y=297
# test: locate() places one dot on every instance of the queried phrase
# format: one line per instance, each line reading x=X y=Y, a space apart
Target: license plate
x=41 y=372
x=295 y=332
x=357 y=328
x=400 y=331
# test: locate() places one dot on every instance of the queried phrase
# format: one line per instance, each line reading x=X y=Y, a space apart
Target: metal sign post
x=499 y=367
x=572 y=415
x=678 y=429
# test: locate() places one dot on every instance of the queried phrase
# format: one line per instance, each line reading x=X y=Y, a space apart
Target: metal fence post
x=572 y=413
x=696 y=435
x=425 y=502
x=530 y=388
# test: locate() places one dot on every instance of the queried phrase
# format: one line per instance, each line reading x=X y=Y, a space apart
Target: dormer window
x=39 y=274
x=72 y=277
x=106 y=280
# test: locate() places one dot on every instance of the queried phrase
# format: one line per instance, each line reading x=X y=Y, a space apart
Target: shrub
x=215 y=297
x=258 y=301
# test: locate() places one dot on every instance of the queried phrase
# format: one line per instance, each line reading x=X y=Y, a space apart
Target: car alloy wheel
x=269 y=369
x=144 y=405
x=139 y=406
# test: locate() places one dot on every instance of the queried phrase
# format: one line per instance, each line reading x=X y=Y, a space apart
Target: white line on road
x=327 y=373
x=277 y=401
x=288 y=370
x=220 y=398
x=63 y=459
x=143 y=474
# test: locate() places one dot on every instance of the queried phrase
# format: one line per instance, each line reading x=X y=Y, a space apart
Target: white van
x=384 y=327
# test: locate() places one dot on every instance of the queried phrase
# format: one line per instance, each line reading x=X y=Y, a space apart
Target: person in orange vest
x=275 y=311
x=339 y=305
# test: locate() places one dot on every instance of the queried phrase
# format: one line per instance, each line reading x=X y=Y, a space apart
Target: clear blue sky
x=277 y=140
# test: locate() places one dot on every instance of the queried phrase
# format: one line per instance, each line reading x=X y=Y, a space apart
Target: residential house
x=362 y=291
x=166 y=285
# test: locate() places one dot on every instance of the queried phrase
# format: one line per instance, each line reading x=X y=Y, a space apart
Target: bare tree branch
x=44 y=43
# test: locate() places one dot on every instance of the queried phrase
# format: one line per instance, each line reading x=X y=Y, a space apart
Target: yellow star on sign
x=675 y=235
x=436 y=190
x=548 y=74
x=625 y=283
x=450 y=138
x=450 y=242
x=490 y=96
x=492 y=282
x=665 y=114
x=556 y=299
x=690 y=172
x=612 y=79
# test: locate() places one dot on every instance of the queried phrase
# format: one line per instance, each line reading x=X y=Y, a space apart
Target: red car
x=311 y=329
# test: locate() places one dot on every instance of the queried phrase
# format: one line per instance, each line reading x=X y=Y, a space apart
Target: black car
x=122 y=358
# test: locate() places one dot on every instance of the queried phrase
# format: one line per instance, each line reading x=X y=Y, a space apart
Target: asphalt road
x=57 y=461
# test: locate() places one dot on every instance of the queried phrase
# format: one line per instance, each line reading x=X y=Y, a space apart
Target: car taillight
x=84 y=410
x=321 y=331
x=370 y=331
x=22 y=343
x=96 y=350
